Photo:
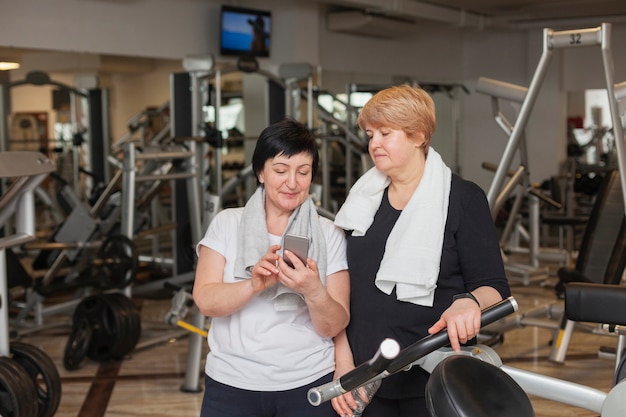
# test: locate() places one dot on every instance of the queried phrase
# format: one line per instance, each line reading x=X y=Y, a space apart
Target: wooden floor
x=148 y=381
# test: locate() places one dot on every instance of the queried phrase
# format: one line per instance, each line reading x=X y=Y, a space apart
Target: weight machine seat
x=464 y=386
x=602 y=254
x=597 y=303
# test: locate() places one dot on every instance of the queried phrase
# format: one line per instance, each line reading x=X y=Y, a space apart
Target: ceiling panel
x=532 y=10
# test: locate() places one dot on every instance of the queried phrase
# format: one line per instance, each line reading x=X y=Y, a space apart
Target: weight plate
x=106 y=329
x=118 y=262
x=129 y=323
x=77 y=344
x=43 y=373
x=90 y=308
x=117 y=314
x=17 y=391
x=115 y=327
x=95 y=310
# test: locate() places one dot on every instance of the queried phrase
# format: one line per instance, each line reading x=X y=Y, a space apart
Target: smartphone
x=298 y=245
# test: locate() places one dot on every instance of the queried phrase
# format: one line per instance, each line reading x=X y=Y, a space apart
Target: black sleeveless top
x=470 y=259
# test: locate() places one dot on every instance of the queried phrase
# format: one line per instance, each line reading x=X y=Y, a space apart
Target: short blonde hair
x=410 y=109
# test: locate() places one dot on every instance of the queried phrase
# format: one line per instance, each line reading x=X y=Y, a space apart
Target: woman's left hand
x=303 y=279
x=462 y=319
x=343 y=404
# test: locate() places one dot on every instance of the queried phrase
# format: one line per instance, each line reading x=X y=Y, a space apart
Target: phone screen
x=299 y=245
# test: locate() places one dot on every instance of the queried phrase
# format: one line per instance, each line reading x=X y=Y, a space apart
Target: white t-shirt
x=259 y=348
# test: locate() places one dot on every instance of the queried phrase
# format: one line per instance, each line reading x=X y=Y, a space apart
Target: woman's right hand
x=265 y=272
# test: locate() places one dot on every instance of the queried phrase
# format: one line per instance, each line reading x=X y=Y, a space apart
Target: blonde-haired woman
x=422 y=249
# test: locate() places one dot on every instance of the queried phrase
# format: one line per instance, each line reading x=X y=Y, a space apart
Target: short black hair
x=286 y=137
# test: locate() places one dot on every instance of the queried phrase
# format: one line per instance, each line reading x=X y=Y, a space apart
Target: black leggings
x=222 y=400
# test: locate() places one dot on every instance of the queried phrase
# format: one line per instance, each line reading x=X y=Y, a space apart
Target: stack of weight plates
x=104 y=327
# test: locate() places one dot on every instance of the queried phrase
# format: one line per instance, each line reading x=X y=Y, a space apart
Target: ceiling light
x=8 y=65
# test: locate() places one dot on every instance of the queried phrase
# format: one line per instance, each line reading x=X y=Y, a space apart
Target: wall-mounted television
x=245 y=31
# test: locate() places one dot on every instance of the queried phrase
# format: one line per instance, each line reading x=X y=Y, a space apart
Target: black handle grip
x=390 y=361
x=387 y=351
x=438 y=340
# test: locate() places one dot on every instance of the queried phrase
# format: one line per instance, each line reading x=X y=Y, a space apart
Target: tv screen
x=245 y=31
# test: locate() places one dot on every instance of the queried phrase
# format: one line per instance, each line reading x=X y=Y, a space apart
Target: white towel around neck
x=413 y=250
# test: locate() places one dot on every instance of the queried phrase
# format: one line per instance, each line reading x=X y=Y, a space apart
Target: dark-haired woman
x=272 y=328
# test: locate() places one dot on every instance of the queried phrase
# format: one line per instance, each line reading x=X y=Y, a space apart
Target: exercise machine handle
x=382 y=364
x=360 y=375
x=440 y=339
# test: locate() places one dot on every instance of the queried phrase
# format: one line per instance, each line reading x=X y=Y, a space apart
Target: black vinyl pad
x=598 y=303
x=463 y=386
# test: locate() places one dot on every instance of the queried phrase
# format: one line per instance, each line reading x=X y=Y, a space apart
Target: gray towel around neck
x=253 y=243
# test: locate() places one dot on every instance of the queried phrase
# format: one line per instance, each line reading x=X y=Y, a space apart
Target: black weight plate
x=17 y=391
x=134 y=330
x=97 y=311
x=123 y=307
x=134 y=319
x=106 y=328
x=117 y=308
x=77 y=344
x=116 y=315
x=115 y=326
x=119 y=262
x=43 y=373
x=90 y=308
x=130 y=325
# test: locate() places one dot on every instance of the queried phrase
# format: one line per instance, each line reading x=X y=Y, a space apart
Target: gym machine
x=145 y=163
x=338 y=130
x=598 y=36
x=461 y=381
x=90 y=124
x=30 y=385
x=87 y=247
x=390 y=359
x=517 y=180
x=89 y=114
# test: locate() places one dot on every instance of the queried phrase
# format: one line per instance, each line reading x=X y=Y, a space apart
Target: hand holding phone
x=298 y=245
